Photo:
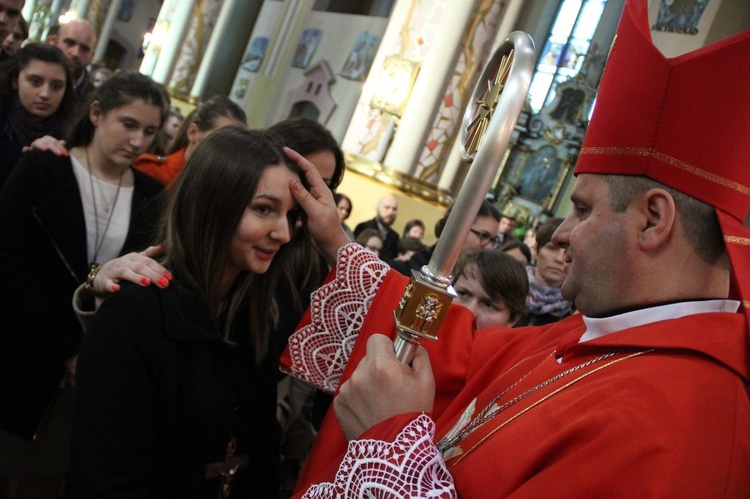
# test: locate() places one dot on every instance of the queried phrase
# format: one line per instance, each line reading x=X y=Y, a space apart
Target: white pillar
x=82 y=8
x=212 y=49
x=106 y=31
x=173 y=44
x=429 y=88
x=28 y=10
x=54 y=14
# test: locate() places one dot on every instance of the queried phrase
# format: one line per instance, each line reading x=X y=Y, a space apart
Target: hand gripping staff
x=488 y=123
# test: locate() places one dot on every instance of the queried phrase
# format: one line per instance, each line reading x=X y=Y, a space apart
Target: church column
x=200 y=28
x=28 y=10
x=450 y=168
x=82 y=8
x=212 y=50
x=173 y=23
x=54 y=14
x=106 y=30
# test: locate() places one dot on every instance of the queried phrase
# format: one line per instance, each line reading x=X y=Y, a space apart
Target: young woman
x=175 y=386
x=545 y=302
x=60 y=218
x=344 y=206
x=36 y=98
x=208 y=117
x=414 y=228
x=371 y=240
x=493 y=285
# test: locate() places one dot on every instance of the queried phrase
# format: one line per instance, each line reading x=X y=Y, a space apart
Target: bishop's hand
x=382 y=387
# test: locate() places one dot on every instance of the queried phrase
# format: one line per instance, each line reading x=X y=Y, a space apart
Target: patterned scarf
x=544 y=300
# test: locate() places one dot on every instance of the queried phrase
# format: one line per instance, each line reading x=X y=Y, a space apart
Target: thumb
x=153 y=251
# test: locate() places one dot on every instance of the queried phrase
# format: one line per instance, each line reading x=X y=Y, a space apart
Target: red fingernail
x=145 y=281
x=168 y=276
x=115 y=287
x=163 y=282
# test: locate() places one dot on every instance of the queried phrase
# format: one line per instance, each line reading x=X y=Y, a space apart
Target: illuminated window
x=565 y=49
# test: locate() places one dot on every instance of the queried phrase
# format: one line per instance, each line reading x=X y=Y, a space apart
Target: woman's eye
x=262 y=210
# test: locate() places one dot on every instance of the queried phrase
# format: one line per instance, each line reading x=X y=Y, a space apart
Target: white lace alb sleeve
x=320 y=350
x=410 y=466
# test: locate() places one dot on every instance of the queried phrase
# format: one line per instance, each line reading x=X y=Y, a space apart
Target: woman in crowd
x=371 y=240
x=414 y=228
x=15 y=38
x=100 y=76
x=36 y=98
x=177 y=387
x=208 y=117
x=493 y=286
x=517 y=250
x=545 y=302
x=303 y=270
x=344 y=205
x=60 y=218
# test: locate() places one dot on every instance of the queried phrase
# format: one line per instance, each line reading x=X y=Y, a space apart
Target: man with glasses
x=482 y=234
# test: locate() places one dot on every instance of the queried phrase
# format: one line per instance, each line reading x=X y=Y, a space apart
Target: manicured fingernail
x=115 y=287
x=168 y=276
x=296 y=186
x=145 y=281
x=163 y=282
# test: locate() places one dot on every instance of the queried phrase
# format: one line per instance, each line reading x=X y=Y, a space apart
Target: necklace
x=97 y=241
x=493 y=409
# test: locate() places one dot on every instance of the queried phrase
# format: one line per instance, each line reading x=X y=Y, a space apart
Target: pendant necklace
x=97 y=241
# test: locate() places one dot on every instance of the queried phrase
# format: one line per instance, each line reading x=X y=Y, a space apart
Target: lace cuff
x=410 y=466
x=319 y=351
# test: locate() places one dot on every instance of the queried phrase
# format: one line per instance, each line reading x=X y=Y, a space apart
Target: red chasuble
x=657 y=410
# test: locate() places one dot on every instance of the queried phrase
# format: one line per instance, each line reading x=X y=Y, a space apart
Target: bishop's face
x=598 y=245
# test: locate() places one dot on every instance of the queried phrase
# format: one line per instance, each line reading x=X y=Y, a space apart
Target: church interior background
x=391 y=78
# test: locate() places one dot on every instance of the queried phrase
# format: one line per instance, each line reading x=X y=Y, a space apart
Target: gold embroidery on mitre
x=698 y=172
x=745 y=241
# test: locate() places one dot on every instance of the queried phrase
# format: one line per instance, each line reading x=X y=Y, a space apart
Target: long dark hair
x=302 y=269
x=10 y=70
x=118 y=91
x=206 y=204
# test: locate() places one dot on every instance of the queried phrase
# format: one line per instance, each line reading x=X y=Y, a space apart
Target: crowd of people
x=159 y=269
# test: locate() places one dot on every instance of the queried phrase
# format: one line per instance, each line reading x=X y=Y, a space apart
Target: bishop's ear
x=658 y=211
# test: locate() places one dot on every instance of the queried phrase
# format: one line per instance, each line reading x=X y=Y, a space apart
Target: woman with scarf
x=545 y=303
x=36 y=97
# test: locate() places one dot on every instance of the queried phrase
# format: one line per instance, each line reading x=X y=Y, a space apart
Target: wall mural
x=680 y=16
x=306 y=47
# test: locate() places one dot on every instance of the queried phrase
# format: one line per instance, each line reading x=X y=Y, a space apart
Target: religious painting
x=126 y=10
x=680 y=16
x=308 y=43
x=255 y=54
x=360 y=58
x=569 y=105
x=540 y=175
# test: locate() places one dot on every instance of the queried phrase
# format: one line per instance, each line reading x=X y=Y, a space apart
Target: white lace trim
x=320 y=350
x=409 y=467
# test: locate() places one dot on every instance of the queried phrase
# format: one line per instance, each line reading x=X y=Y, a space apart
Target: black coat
x=390 y=243
x=160 y=395
x=42 y=261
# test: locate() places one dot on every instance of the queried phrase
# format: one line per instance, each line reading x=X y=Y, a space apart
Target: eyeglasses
x=485 y=239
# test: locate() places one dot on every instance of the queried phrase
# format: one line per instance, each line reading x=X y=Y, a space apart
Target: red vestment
x=657 y=410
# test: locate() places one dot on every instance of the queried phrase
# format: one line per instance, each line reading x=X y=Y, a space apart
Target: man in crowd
x=506 y=228
x=10 y=12
x=386 y=212
x=645 y=393
x=77 y=40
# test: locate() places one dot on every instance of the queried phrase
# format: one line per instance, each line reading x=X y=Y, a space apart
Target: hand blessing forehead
x=318 y=187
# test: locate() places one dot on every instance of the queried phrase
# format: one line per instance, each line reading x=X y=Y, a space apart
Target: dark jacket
x=42 y=261
x=160 y=395
x=390 y=243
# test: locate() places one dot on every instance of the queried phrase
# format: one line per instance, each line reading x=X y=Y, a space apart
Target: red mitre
x=684 y=122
